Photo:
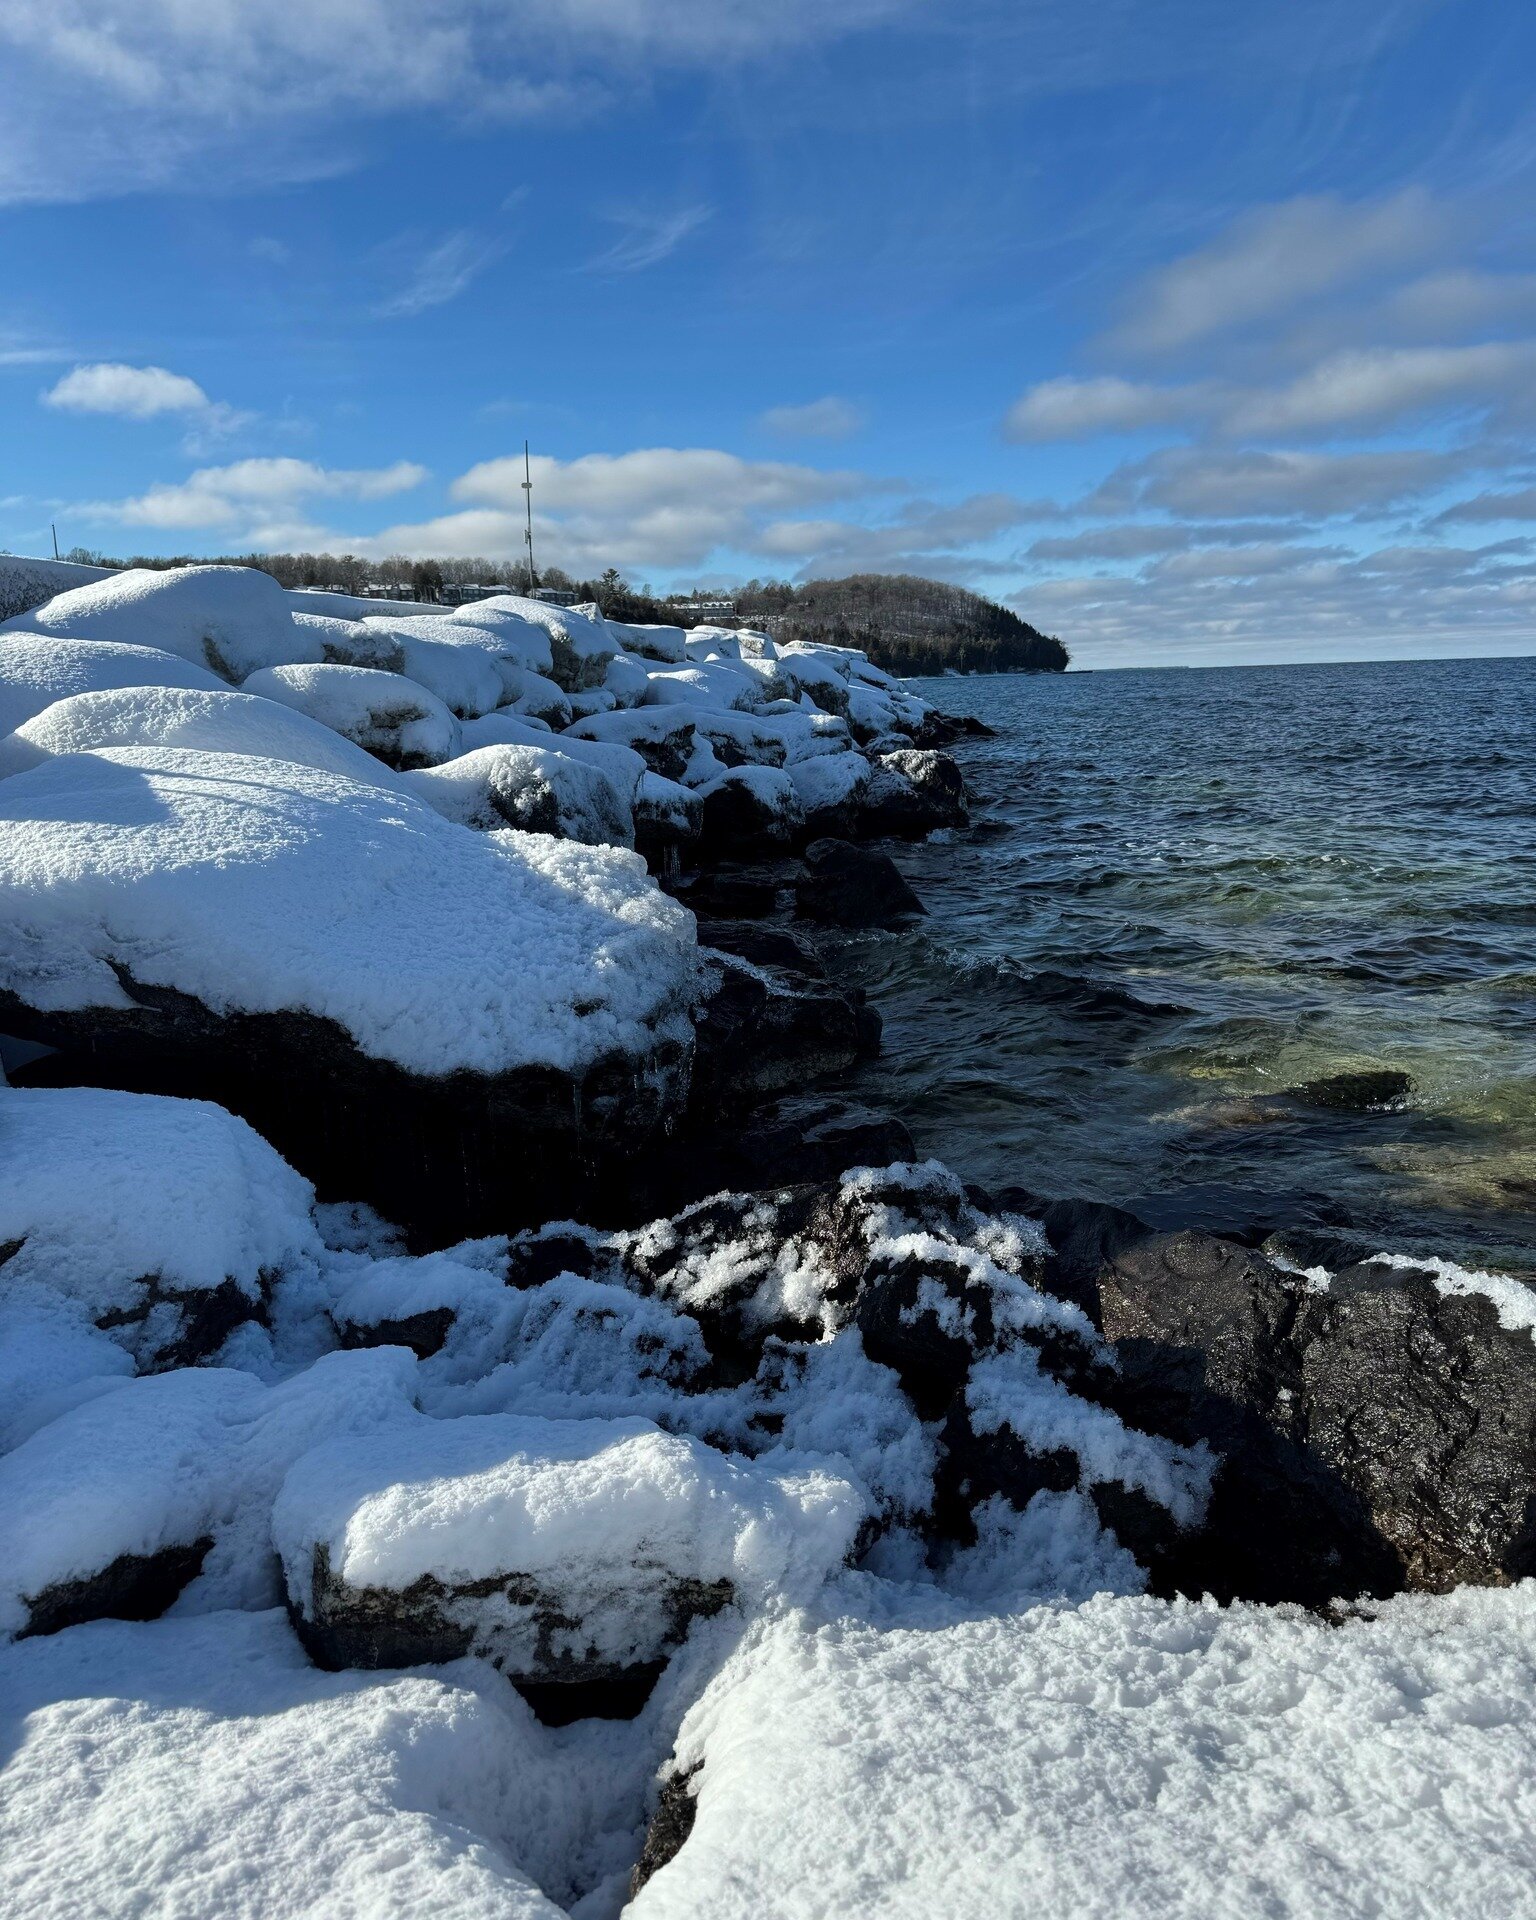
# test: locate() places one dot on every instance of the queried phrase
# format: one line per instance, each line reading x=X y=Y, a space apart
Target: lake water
x=1185 y=892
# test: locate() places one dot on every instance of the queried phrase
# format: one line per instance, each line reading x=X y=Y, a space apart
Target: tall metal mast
x=533 y=578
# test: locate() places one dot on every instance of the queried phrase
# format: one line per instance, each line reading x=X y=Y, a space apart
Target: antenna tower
x=533 y=578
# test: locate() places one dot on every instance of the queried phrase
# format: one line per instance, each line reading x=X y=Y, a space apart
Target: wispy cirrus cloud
x=830 y=418
x=646 y=239
x=438 y=272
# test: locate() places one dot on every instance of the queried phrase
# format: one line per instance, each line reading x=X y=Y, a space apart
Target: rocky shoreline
x=420 y=1219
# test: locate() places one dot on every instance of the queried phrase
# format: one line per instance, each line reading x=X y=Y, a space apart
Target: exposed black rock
x=1373 y=1436
x=763 y=946
x=740 y=817
x=738 y=893
x=1371 y=1091
x=529 y=1632
x=424 y=1333
x=171 y=1327
x=848 y=886
x=911 y=794
x=134 y=1586
x=762 y=1032
x=445 y=1156
x=811 y=1138
x=937 y=729
x=677 y=1808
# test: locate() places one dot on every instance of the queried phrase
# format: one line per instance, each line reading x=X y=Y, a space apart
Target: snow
x=263 y=886
x=230 y=619
x=653 y=642
x=571 y=644
x=521 y=632
x=830 y=779
x=1114 y=1758
x=204 y=1770
x=154 y=716
x=382 y=712
x=621 y=764
x=105 y=1190
x=456 y=663
x=36 y=670
x=27 y=583
x=582 y=1504
x=703 y=684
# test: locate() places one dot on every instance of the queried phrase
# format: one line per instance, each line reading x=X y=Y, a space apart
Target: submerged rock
x=1373 y=1090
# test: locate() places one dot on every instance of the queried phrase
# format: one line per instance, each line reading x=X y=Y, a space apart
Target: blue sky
x=1193 y=331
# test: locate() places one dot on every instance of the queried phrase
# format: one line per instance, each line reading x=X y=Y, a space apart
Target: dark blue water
x=1184 y=893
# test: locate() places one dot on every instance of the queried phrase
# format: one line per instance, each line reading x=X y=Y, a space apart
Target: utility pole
x=55 y=532
x=533 y=578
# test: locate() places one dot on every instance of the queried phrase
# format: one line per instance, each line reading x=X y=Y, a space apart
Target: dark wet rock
x=812 y=1138
x=172 y=1327
x=1373 y=1436
x=912 y=793
x=1426 y=1406
x=924 y=1319
x=532 y=1634
x=1084 y=1236
x=424 y=1333
x=763 y=946
x=848 y=886
x=444 y=1156
x=1305 y=1247
x=668 y=823
x=937 y=729
x=135 y=1586
x=749 y=809
x=1371 y=1091
x=561 y=1247
x=670 y=1825
x=762 y=1032
x=739 y=893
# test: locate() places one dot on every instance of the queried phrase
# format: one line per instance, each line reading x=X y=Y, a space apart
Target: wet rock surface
x=849 y=886
x=135 y=1586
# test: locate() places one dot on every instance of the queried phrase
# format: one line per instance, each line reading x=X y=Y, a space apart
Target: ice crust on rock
x=263 y=886
x=232 y=620
x=38 y=669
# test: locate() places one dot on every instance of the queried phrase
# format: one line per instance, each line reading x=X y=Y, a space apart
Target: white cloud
x=831 y=418
x=1374 y=385
x=134 y=393
x=1069 y=408
x=439 y=274
x=251 y=493
x=1241 y=483
x=1486 y=508
x=646 y=239
x=1272 y=259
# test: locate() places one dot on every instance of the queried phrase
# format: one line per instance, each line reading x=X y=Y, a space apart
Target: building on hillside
x=554 y=596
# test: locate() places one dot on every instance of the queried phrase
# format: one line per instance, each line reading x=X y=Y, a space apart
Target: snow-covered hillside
x=427 y=1487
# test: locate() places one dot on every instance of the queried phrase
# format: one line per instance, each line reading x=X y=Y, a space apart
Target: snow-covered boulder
x=519 y=633
x=221 y=722
x=662 y=736
x=204 y=1767
x=913 y=793
x=233 y=620
x=26 y=583
x=535 y=697
x=577 y=643
x=396 y=720
x=456 y=663
x=751 y=807
x=619 y=763
x=626 y=679
x=536 y=789
x=710 y=683
x=37 y=669
x=669 y=820
x=571 y=1553
x=116 y=1506
x=661 y=643
x=831 y=789
x=353 y=643
x=391 y=999
x=163 y=1221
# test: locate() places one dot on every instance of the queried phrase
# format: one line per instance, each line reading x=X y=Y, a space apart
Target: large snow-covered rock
x=569 y=1552
x=162 y=1220
x=536 y=789
x=662 y=643
x=1110 y=1758
x=390 y=998
x=205 y=1768
x=122 y=1503
x=457 y=663
x=155 y=716
x=576 y=647
x=26 y=583
x=38 y=669
x=233 y=620
x=401 y=723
